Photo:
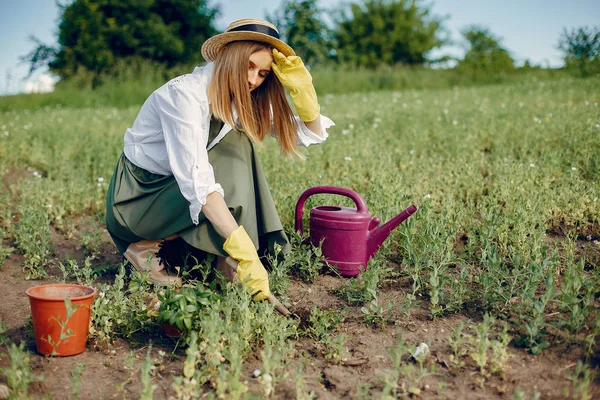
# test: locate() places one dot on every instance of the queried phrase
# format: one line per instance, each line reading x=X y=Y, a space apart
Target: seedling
x=359 y=290
x=375 y=314
x=19 y=375
x=181 y=307
x=64 y=332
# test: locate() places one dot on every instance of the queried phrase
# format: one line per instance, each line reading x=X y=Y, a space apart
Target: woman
x=189 y=167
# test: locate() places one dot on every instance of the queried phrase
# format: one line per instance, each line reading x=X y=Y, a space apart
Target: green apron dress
x=142 y=205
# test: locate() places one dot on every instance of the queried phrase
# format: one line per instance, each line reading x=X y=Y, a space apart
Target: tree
x=95 y=34
x=581 y=50
x=485 y=54
x=300 y=25
x=387 y=32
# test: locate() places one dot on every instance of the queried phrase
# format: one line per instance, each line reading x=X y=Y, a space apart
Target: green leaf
x=191 y=308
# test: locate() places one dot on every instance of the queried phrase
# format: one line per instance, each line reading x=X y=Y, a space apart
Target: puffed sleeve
x=306 y=137
x=184 y=118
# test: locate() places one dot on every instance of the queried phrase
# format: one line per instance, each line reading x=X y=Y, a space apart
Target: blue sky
x=529 y=29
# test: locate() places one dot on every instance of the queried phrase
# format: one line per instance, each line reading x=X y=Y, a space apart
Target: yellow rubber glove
x=294 y=76
x=250 y=270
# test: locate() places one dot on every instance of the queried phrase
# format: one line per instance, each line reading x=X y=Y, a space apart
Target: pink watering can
x=351 y=236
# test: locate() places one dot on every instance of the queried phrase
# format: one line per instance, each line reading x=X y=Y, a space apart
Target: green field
x=506 y=239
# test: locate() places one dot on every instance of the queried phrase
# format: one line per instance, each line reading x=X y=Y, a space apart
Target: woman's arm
x=315 y=126
x=239 y=246
x=218 y=214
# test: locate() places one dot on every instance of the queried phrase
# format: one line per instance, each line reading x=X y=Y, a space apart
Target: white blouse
x=170 y=136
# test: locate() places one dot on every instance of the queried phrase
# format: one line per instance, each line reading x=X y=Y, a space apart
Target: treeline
x=100 y=40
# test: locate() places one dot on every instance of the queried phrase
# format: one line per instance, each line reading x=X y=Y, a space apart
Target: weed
x=457 y=344
x=32 y=232
x=202 y=269
x=121 y=309
x=533 y=339
x=364 y=391
x=186 y=387
x=19 y=375
x=520 y=395
x=307 y=260
x=409 y=385
x=281 y=266
x=76 y=379
x=481 y=343
x=3 y=329
x=363 y=288
x=180 y=306
x=500 y=355
x=299 y=381
x=581 y=379
x=72 y=271
x=322 y=322
x=146 y=373
x=224 y=332
x=576 y=296
x=375 y=314
x=129 y=369
x=490 y=354
x=5 y=251
x=91 y=241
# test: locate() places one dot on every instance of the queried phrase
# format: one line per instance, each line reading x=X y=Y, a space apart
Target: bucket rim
x=30 y=292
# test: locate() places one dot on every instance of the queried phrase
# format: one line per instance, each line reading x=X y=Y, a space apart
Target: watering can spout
x=377 y=236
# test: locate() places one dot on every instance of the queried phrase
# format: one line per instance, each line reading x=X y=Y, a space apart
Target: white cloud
x=41 y=84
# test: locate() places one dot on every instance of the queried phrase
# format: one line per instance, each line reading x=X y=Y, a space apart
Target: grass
x=506 y=178
x=134 y=81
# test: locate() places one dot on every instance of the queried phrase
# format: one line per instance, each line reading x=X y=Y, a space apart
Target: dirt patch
x=114 y=371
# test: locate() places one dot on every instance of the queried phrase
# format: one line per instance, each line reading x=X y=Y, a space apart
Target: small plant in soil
x=363 y=288
x=300 y=382
x=581 y=379
x=76 y=379
x=535 y=323
x=5 y=251
x=322 y=325
x=488 y=348
x=121 y=308
x=146 y=373
x=180 y=307
x=186 y=386
x=91 y=241
x=323 y=322
x=19 y=375
x=281 y=267
x=306 y=258
x=71 y=271
x=32 y=233
x=3 y=329
x=457 y=343
x=377 y=315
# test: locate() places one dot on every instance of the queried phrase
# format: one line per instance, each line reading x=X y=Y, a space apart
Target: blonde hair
x=229 y=87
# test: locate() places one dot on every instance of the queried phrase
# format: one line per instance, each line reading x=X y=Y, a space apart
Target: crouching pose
x=189 y=169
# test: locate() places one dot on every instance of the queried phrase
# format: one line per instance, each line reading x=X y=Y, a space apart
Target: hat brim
x=212 y=46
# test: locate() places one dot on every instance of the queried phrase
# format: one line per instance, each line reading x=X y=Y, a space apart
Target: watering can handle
x=361 y=206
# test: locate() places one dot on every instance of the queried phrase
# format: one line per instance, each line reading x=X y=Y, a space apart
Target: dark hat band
x=256 y=28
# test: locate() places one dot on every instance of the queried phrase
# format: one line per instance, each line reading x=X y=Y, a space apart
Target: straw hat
x=245 y=29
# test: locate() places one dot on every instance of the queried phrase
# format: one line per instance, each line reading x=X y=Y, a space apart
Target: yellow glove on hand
x=294 y=76
x=250 y=270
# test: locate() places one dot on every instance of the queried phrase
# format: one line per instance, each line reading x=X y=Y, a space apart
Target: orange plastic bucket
x=56 y=333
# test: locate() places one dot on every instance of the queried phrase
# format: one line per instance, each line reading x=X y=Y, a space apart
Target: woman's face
x=259 y=67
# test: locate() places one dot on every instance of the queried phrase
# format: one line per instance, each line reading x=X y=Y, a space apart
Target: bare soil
x=366 y=362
